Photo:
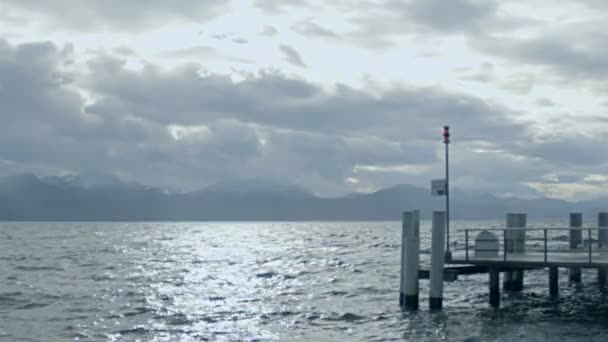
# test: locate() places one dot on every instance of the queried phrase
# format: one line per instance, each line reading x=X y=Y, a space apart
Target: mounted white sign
x=438 y=187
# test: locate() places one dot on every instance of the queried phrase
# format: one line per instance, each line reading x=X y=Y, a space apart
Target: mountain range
x=26 y=197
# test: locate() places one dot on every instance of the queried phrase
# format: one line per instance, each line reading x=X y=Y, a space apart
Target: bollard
x=602 y=242
x=494 y=287
x=516 y=243
x=410 y=260
x=575 y=239
x=553 y=281
x=437 y=260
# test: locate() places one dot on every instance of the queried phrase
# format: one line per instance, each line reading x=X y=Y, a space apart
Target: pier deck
x=525 y=260
x=508 y=252
x=534 y=247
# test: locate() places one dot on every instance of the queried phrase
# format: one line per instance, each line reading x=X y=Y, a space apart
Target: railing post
x=504 y=245
x=466 y=244
x=545 y=240
x=589 y=243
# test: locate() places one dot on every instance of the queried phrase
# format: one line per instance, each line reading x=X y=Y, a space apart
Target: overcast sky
x=335 y=96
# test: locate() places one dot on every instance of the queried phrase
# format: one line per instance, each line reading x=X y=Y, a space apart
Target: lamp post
x=446 y=142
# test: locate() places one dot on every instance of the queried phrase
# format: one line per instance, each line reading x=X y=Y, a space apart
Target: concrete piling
x=575 y=238
x=507 y=281
x=410 y=260
x=494 y=281
x=602 y=273
x=516 y=243
x=553 y=281
x=488 y=259
x=437 y=259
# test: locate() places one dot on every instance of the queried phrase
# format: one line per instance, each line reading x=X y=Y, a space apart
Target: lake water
x=322 y=281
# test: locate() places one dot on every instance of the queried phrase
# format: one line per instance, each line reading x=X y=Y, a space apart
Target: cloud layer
x=114 y=14
x=169 y=119
x=182 y=127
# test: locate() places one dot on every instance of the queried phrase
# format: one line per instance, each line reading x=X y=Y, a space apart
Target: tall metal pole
x=446 y=141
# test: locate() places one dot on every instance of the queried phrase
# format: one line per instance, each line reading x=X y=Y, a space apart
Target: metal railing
x=516 y=246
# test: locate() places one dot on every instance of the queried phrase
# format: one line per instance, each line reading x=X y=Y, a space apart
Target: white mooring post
x=437 y=259
x=410 y=260
x=516 y=243
x=575 y=238
x=602 y=242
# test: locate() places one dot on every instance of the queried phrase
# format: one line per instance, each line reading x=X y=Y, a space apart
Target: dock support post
x=602 y=242
x=506 y=281
x=602 y=274
x=575 y=239
x=553 y=281
x=410 y=260
x=494 y=287
x=516 y=243
x=437 y=260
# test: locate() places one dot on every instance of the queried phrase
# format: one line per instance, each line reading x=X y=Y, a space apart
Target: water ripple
x=325 y=281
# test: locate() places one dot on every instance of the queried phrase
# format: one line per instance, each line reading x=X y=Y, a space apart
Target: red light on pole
x=446 y=134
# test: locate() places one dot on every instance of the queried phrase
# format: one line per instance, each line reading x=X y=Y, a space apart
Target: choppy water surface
x=257 y=281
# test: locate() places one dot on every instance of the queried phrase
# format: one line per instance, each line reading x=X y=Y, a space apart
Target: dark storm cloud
x=292 y=56
x=571 y=150
x=380 y=24
x=45 y=130
x=440 y=15
x=32 y=80
x=335 y=156
x=575 y=56
x=273 y=99
x=43 y=127
x=445 y=16
x=119 y=14
x=304 y=130
x=38 y=103
x=186 y=128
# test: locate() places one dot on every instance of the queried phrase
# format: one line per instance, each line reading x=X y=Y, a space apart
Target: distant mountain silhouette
x=26 y=197
x=88 y=180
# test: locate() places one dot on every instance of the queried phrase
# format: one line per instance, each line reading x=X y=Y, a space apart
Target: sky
x=336 y=97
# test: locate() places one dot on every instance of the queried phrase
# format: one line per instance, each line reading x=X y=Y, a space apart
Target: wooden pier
x=511 y=251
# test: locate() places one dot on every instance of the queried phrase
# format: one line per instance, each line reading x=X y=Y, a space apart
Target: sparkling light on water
x=324 y=281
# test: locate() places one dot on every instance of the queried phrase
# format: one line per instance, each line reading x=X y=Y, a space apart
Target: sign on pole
x=438 y=187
